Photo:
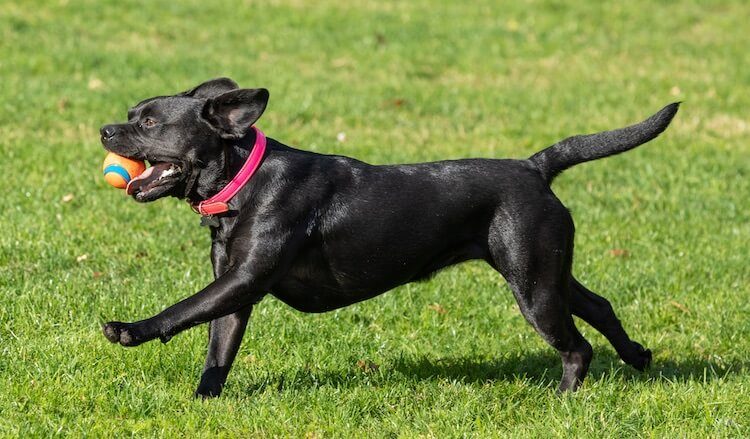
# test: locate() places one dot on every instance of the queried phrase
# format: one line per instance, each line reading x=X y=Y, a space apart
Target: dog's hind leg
x=597 y=312
x=544 y=306
x=224 y=338
x=535 y=257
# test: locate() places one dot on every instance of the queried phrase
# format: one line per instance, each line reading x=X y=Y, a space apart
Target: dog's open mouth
x=155 y=181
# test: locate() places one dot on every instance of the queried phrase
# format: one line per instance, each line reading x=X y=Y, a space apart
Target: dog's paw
x=212 y=382
x=207 y=391
x=127 y=334
x=641 y=357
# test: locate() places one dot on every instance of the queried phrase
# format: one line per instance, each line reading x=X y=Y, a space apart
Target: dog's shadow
x=542 y=368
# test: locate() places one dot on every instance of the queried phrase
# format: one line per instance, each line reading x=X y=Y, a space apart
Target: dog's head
x=183 y=135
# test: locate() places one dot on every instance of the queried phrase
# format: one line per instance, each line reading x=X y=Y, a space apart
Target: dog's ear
x=233 y=113
x=211 y=89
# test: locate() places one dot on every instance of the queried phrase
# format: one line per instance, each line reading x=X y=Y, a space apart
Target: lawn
x=662 y=231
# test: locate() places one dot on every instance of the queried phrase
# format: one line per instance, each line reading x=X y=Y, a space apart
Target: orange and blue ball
x=119 y=170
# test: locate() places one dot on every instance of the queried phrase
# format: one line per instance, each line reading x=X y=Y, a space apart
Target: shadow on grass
x=541 y=367
x=545 y=367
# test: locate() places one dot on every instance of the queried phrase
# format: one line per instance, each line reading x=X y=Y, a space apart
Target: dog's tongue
x=148 y=176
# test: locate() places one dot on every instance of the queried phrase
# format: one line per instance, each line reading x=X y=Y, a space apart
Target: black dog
x=320 y=232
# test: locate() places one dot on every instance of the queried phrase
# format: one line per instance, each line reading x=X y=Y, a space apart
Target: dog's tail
x=578 y=149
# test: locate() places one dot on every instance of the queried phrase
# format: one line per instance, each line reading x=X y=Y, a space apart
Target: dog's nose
x=107 y=131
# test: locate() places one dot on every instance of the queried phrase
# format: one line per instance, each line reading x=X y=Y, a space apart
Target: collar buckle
x=211 y=208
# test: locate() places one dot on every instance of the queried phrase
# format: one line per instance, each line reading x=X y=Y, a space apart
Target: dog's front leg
x=236 y=289
x=224 y=335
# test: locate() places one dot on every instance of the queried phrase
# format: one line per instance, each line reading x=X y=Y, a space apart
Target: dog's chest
x=221 y=233
x=210 y=221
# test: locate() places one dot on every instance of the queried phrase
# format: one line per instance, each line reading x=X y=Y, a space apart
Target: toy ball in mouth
x=119 y=170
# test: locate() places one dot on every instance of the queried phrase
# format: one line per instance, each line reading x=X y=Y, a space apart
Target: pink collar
x=219 y=203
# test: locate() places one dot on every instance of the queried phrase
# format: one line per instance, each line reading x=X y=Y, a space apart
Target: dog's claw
x=207 y=393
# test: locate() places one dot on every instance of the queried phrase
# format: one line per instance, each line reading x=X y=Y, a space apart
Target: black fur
x=320 y=232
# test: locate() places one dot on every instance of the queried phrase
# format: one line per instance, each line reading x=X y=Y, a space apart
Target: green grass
x=406 y=81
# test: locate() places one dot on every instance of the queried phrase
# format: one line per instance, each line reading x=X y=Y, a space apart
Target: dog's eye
x=148 y=122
